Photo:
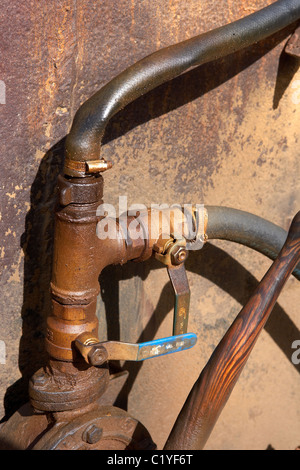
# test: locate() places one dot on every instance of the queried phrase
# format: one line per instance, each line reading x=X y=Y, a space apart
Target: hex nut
x=97 y=355
x=39 y=378
x=92 y=434
x=179 y=255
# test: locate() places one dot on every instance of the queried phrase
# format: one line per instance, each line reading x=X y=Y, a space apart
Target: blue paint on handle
x=163 y=346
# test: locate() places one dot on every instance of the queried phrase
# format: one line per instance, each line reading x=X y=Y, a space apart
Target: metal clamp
x=82 y=168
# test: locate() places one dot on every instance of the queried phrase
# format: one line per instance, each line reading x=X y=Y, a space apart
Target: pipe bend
x=225 y=223
x=84 y=140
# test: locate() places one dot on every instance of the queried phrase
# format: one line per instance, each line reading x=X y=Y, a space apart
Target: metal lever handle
x=96 y=353
x=173 y=254
x=181 y=288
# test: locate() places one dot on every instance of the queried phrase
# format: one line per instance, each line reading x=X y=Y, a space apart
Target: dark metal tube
x=84 y=140
x=225 y=223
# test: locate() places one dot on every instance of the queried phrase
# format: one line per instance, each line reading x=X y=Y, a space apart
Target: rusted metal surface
x=72 y=385
x=61 y=386
x=23 y=428
x=207 y=118
x=93 y=427
x=102 y=428
x=80 y=255
x=293 y=45
x=67 y=382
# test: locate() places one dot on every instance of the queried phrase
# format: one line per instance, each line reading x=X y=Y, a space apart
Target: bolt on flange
x=93 y=353
x=92 y=434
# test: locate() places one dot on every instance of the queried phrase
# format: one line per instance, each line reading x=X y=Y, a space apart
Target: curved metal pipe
x=84 y=140
x=225 y=223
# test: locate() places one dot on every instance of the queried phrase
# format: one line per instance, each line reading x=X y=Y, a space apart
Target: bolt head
x=179 y=255
x=97 y=355
x=92 y=434
x=39 y=379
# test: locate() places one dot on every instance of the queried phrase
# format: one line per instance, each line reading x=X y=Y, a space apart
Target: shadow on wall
x=287 y=68
x=199 y=81
x=37 y=243
x=37 y=240
x=213 y=264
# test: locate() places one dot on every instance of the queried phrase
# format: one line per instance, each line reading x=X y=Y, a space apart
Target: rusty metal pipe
x=67 y=382
x=80 y=256
x=84 y=140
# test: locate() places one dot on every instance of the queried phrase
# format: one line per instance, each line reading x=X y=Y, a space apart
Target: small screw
x=92 y=434
x=97 y=355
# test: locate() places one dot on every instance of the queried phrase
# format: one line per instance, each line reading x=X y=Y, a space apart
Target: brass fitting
x=81 y=169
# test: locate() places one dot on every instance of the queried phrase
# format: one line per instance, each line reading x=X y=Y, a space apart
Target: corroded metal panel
x=226 y=133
